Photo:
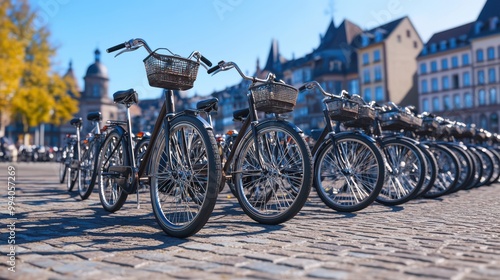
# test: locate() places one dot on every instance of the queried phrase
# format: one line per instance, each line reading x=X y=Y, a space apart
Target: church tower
x=94 y=96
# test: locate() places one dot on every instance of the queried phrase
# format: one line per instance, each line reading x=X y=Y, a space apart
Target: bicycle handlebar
x=313 y=84
x=134 y=44
x=224 y=66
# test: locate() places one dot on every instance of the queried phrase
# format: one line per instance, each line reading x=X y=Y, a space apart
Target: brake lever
x=131 y=49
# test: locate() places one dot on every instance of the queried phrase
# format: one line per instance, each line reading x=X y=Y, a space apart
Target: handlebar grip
x=213 y=69
x=115 y=48
x=206 y=61
x=302 y=88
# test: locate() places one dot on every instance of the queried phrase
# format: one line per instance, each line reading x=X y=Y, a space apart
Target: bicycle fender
x=195 y=113
x=289 y=124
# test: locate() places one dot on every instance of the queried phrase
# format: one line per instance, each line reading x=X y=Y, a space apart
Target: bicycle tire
x=283 y=185
x=339 y=186
x=190 y=176
x=478 y=166
x=448 y=171
x=465 y=164
x=62 y=168
x=88 y=171
x=496 y=165
x=73 y=172
x=405 y=174
x=432 y=169
x=111 y=195
x=488 y=165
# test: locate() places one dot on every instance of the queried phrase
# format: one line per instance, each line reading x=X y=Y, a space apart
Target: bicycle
x=269 y=162
x=66 y=156
x=181 y=163
x=349 y=168
x=74 y=159
x=88 y=162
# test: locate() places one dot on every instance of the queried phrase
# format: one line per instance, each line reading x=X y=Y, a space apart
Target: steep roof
x=339 y=37
x=385 y=30
x=483 y=25
x=455 y=32
x=274 y=59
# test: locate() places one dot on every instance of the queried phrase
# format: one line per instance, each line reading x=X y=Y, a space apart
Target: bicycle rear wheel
x=185 y=176
x=448 y=171
x=274 y=189
x=111 y=194
x=349 y=172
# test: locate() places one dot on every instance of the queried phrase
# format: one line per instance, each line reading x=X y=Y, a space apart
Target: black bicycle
x=181 y=163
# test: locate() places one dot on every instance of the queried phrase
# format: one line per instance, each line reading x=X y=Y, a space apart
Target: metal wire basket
x=341 y=109
x=274 y=97
x=395 y=120
x=170 y=72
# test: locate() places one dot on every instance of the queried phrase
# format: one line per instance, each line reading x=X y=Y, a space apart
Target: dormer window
x=424 y=50
x=493 y=23
x=478 y=27
x=442 y=45
x=378 y=36
x=365 y=40
x=453 y=43
x=433 y=47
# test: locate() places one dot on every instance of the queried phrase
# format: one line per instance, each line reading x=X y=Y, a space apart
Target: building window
x=415 y=45
x=491 y=53
x=399 y=38
x=366 y=76
x=376 y=56
x=468 y=101
x=466 y=79
x=368 y=94
x=435 y=84
x=494 y=122
x=480 y=77
x=479 y=55
x=378 y=74
x=442 y=45
x=493 y=96
x=456 y=81
x=454 y=62
x=423 y=68
x=424 y=86
x=434 y=66
x=433 y=48
x=435 y=104
x=444 y=64
x=446 y=82
x=492 y=75
x=481 y=97
x=379 y=94
x=425 y=105
x=483 y=122
x=354 y=86
x=465 y=59
x=456 y=101
x=408 y=33
x=366 y=59
x=96 y=91
x=447 y=103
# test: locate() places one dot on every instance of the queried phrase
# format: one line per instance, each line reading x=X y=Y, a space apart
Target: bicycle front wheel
x=87 y=171
x=348 y=172
x=63 y=167
x=274 y=188
x=185 y=176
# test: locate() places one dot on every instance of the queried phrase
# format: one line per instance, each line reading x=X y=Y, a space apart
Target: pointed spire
x=97 y=54
x=274 y=56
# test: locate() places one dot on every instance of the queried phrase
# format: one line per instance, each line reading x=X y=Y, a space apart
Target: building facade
x=459 y=71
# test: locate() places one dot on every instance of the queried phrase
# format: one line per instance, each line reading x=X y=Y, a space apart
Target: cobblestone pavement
x=59 y=237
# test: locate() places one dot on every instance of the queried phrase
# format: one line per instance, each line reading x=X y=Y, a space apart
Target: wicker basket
x=365 y=118
x=170 y=72
x=274 y=97
x=395 y=120
x=341 y=109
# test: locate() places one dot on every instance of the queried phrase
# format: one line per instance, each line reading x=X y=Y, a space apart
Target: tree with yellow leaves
x=42 y=96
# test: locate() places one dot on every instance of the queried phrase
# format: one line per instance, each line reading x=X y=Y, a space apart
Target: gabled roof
x=274 y=59
x=446 y=35
x=385 y=29
x=339 y=37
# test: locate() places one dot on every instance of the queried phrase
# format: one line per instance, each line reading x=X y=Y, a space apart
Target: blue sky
x=231 y=30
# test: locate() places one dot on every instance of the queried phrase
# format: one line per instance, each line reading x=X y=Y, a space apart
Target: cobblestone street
x=58 y=236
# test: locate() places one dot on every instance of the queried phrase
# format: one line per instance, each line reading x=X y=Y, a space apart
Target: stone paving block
x=261 y=256
x=268 y=267
x=128 y=261
x=433 y=272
